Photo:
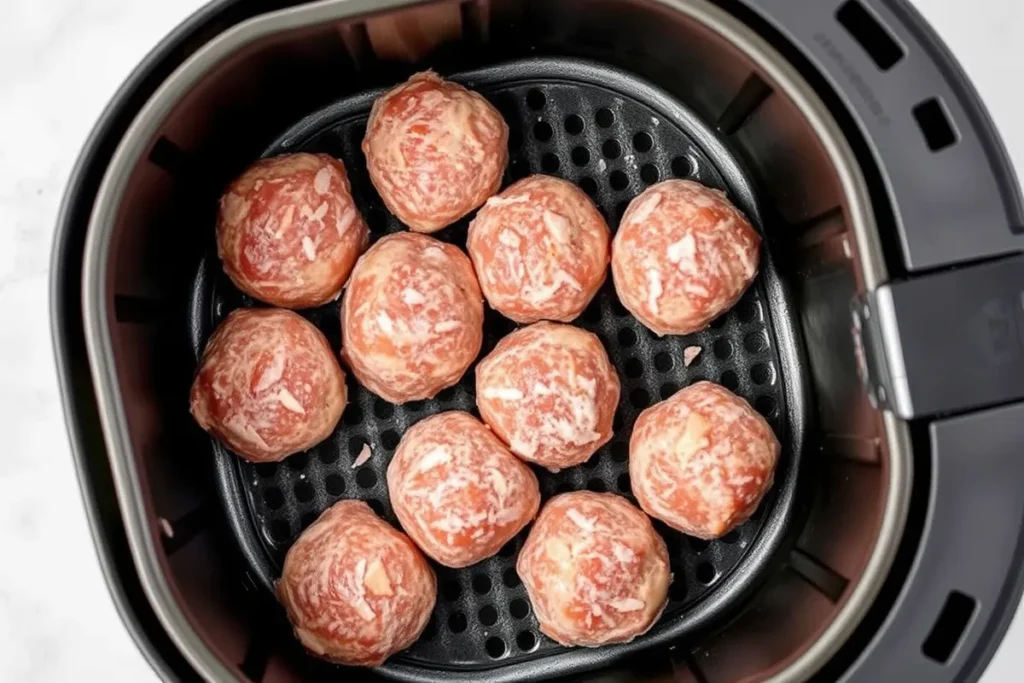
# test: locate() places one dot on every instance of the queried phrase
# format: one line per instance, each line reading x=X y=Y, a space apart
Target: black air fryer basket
x=880 y=340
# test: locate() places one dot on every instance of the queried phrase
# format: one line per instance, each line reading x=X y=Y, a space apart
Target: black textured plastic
x=613 y=136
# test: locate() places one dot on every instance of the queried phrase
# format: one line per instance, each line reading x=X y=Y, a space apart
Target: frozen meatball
x=595 y=570
x=540 y=249
x=435 y=151
x=268 y=385
x=412 y=317
x=550 y=392
x=356 y=590
x=682 y=256
x=458 y=491
x=288 y=231
x=701 y=460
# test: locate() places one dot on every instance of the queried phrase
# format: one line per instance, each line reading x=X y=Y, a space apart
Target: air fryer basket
x=887 y=204
x=613 y=135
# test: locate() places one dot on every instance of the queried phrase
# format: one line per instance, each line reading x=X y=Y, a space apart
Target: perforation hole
x=510 y=578
x=729 y=380
x=634 y=368
x=722 y=349
x=747 y=311
x=649 y=174
x=611 y=149
x=542 y=131
x=618 y=181
x=549 y=163
x=334 y=484
x=488 y=615
x=588 y=185
x=597 y=486
x=390 y=439
x=667 y=389
x=639 y=398
x=623 y=483
x=627 y=337
x=457 y=622
x=273 y=498
x=297 y=462
x=699 y=545
x=303 y=492
x=481 y=584
x=353 y=415
x=760 y=374
x=526 y=641
x=266 y=470
x=605 y=117
x=935 y=125
x=642 y=142
x=580 y=156
x=383 y=409
x=619 y=451
x=755 y=342
x=518 y=608
x=706 y=573
x=328 y=456
x=870 y=34
x=573 y=124
x=308 y=519
x=767 y=406
x=495 y=647
x=366 y=478
x=535 y=100
x=663 y=361
x=682 y=167
x=355 y=446
x=280 y=531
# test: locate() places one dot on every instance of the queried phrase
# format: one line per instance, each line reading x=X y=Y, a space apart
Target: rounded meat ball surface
x=550 y=392
x=435 y=151
x=412 y=317
x=288 y=231
x=356 y=590
x=458 y=491
x=595 y=569
x=702 y=460
x=268 y=385
x=682 y=256
x=541 y=250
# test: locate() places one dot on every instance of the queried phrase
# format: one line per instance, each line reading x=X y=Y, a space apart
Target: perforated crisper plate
x=613 y=135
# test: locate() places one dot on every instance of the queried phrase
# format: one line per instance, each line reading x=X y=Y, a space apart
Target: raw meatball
x=412 y=317
x=268 y=385
x=458 y=491
x=288 y=231
x=540 y=249
x=435 y=151
x=683 y=255
x=595 y=570
x=550 y=392
x=356 y=590
x=702 y=460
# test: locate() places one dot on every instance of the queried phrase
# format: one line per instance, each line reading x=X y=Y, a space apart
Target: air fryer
x=882 y=340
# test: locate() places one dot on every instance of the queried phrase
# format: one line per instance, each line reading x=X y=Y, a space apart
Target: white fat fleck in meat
x=558 y=225
x=627 y=604
x=288 y=400
x=317 y=215
x=509 y=238
x=541 y=389
x=273 y=373
x=385 y=323
x=308 y=248
x=412 y=297
x=499 y=482
x=345 y=220
x=503 y=393
x=580 y=520
x=588 y=385
x=623 y=553
x=322 y=180
x=683 y=252
x=654 y=290
x=364 y=455
x=436 y=457
x=691 y=287
x=540 y=294
x=286 y=221
x=502 y=201
x=647 y=206
x=447 y=326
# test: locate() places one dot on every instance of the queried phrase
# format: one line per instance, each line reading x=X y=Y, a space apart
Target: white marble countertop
x=60 y=61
